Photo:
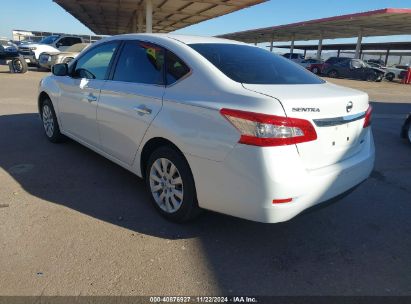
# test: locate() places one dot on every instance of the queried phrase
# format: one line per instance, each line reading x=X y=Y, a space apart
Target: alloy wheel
x=17 y=65
x=166 y=185
x=48 y=121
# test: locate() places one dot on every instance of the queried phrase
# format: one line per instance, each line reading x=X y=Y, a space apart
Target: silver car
x=212 y=123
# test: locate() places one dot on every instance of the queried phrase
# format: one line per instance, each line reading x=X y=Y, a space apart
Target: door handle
x=142 y=110
x=91 y=97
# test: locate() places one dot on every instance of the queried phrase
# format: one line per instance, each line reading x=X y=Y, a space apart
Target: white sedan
x=212 y=124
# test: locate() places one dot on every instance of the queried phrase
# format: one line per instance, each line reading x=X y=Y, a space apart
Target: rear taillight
x=282 y=201
x=368 y=114
x=269 y=130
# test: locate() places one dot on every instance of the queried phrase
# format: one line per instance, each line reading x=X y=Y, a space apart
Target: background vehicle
x=212 y=123
x=354 y=69
x=7 y=50
x=294 y=57
x=9 y=55
x=379 y=62
x=376 y=65
x=394 y=72
x=330 y=61
x=406 y=129
x=313 y=65
x=51 y=44
x=47 y=60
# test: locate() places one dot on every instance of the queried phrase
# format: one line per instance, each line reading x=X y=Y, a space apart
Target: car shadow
x=337 y=250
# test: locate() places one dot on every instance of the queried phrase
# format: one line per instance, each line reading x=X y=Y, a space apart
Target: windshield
x=367 y=65
x=253 y=65
x=49 y=39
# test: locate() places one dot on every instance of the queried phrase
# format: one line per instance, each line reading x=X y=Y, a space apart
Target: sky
x=45 y=15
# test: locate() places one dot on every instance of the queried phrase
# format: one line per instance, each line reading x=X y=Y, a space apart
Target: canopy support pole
x=149 y=16
x=358 y=47
x=386 y=56
x=292 y=46
x=140 y=18
x=320 y=46
x=134 y=23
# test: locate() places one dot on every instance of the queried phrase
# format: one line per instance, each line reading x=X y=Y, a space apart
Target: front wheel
x=407 y=131
x=171 y=184
x=333 y=74
x=390 y=76
x=371 y=77
x=50 y=124
x=19 y=65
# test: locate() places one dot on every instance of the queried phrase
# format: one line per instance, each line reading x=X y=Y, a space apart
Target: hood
x=67 y=53
x=40 y=45
x=378 y=70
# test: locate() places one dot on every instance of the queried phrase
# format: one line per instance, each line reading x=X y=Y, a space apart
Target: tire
x=332 y=74
x=390 y=76
x=407 y=132
x=19 y=65
x=371 y=77
x=50 y=123
x=315 y=70
x=174 y=196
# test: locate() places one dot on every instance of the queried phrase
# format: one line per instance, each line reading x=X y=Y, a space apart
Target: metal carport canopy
x=111 y=17
x=351 y=46
x=383 y=22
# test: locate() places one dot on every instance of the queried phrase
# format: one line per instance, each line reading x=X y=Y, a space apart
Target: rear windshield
x=253 y=65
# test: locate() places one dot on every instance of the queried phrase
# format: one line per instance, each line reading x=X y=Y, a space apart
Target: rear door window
x=140 y=62
x=253 y=65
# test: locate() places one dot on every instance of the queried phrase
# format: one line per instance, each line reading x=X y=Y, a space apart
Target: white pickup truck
x=55 y=43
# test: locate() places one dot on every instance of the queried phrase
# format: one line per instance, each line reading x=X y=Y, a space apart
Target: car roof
x=186 y=39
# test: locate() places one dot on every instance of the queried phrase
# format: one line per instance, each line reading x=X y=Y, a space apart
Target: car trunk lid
x=337 y=114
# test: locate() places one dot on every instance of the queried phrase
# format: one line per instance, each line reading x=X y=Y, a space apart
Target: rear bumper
x=245 y=184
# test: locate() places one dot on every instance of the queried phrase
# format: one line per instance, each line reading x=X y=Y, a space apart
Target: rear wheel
x=315 y=70
x=333 y=74
x=171 y=184
x=50 y=124
x=390 y=76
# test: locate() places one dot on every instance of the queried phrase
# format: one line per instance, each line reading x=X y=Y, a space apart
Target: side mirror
x=60 y=69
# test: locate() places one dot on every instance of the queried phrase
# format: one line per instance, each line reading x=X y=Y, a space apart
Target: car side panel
x=49 y=86
x=120 y=123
